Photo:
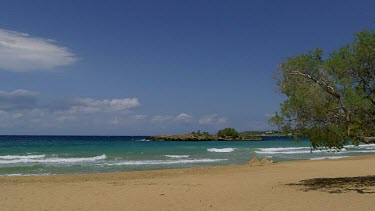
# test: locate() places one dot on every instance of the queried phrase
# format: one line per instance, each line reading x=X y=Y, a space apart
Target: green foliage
x=199 y=133
x=330 y=100
x=260 y=133
x=231 y=132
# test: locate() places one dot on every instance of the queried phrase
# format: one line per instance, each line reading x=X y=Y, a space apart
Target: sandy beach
x=243 y=187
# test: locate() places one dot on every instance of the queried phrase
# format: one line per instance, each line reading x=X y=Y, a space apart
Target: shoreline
x=188 y=169
x=236 y=187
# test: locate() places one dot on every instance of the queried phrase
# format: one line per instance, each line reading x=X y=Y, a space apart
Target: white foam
x=364 y=148
x=361 y=146
x=12 y=157
x=25 y=175
x=362 y=151
x=331 y=157
x=143 y=140
x=296 y=150
x=163 y=162
x=276 y=149
x=284 y=152
x=221 y=150
x=177 y=156
x=54 y=160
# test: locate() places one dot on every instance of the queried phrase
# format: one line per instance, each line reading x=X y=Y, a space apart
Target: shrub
x=231 y=132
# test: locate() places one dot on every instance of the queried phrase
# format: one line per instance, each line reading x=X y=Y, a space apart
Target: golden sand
x=241 y=187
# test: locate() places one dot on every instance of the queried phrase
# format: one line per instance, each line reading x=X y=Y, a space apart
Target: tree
x=231 y=132
x=330 y=100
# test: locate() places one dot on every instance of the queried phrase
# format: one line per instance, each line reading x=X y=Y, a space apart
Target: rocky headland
x=202 y=137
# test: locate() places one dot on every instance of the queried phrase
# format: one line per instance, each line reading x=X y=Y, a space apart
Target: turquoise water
x=46 y=155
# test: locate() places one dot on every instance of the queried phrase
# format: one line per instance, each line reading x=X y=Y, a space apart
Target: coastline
x=236 y=187
x=202 y=137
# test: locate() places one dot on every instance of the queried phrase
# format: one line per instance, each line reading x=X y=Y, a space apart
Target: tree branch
x=330 y=90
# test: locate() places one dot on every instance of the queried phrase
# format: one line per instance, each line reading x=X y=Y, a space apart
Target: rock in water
x=265 y=161
x=254 y=162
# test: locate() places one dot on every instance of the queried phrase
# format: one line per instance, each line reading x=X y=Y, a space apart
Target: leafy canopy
x=330 y=99
x=231 y=132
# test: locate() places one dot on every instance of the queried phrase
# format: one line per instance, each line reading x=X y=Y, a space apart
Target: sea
x=51 y=155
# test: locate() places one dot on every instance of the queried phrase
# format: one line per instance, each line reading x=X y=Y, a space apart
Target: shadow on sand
x=361 y=185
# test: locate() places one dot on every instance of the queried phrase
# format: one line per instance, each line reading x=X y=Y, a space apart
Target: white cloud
x=212 y=119
x=17 y=115
x=23 y=108
x=23 y=112
x=184 y=117
x=126 y=120
x=19 y=52
x=18 y=92
x=88 y=105
x=27 y=100
x=161 y=118
x=140 y=116
x=17 y=99
x=115 y=121
x=62 y=118
x=164 y=118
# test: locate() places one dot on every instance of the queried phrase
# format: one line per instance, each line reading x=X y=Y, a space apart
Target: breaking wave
x=163 y=162
x=43 y=159
x=143 y=140
x=221 y=150
x=364 y=148
x=24 y=175
x=331 y=157
x=177 y=156
x=12 y=157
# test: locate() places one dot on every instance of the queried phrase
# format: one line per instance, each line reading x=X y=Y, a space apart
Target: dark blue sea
x=49 y=155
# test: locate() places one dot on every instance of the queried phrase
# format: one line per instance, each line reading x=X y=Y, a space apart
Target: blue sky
x=150 y=67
